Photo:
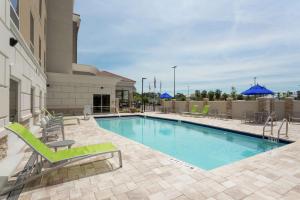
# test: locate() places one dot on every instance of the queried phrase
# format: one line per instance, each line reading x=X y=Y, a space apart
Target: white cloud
x=214 y=43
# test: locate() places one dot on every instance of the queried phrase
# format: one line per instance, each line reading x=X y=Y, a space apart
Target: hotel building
x=38 y=68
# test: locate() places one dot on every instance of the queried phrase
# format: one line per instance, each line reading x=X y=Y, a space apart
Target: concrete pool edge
x=185 y=164
x=281 y=140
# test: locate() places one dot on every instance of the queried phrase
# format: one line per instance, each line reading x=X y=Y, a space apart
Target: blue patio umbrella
x=257 y=90
x=165 y=96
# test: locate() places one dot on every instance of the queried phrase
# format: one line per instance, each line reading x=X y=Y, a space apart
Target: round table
x=60 y=144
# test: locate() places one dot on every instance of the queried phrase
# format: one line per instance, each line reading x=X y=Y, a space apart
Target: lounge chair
x=295 y=117
x=204 y=112
x=51 y=130
x=194 y=110
x=213 y=113
x=57 y=159
x=248 y=117
x=87 y=111
x=226 y=115
x=60 y=116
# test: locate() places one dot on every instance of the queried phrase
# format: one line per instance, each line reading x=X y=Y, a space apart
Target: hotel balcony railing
x=14 y=16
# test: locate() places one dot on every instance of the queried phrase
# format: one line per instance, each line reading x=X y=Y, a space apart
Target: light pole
x=143 y=103
x=174 y=79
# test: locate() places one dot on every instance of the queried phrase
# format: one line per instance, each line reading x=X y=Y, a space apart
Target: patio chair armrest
x=53 y=128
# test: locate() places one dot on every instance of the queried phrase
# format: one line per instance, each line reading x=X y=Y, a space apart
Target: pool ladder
x=118 y=112
x=271 y=137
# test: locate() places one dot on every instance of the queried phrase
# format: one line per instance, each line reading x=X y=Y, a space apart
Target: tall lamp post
x=143 y=103
x=174 y=79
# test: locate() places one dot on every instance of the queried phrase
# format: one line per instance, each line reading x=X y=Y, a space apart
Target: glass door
x=101 y=103
x=105 y=103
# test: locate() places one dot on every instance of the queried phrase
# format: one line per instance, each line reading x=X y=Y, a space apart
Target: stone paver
x=148 y=174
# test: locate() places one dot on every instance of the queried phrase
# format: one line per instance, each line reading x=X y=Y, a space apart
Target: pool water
x=205 y=147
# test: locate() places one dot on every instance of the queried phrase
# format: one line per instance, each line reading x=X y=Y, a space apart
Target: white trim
x=26 y=117
x=22 y=42
x=3 y=133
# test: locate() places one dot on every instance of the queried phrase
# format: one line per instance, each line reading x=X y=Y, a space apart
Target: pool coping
x=181 y=162
x=284 y=141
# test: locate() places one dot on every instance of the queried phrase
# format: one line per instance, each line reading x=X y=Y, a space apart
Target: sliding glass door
x=101 y=103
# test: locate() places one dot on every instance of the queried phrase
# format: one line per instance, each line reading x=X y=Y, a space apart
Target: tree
x=197 y=95
x=233 y=93
x=180 y=97
x=193 y=97
x=203 y=94
x=224 y=96
x=278 y=95
x=211 y=95
x=218 y=94
x=137 y=97
x=289 y=93
x=240 y=97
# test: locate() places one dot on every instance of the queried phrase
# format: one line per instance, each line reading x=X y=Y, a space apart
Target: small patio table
x=59 y=144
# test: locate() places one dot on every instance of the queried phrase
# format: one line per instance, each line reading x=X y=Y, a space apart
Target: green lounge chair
x=57 y=159
x=204 y=112
x=194 y=110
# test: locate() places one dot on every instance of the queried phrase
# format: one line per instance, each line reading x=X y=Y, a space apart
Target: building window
x=40 y=51
x=40 y=7
x=31 y=33
x=14 y=12
x=15 y=5
x=123 y=96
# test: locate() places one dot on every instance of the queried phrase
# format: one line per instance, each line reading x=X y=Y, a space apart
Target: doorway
x=101 y=103
x=13 y=101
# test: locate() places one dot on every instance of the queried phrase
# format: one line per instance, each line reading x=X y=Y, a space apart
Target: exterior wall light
x=13 y=42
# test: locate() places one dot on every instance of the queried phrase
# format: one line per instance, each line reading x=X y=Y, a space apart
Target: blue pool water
x=201 y=146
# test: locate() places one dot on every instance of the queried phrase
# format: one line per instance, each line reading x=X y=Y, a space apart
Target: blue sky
x=215 y=44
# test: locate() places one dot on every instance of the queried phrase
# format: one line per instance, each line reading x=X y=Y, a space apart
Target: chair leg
x=120 y=159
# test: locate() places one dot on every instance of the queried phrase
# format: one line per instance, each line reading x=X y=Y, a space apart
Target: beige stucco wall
x=181 y=106
x=32 y=6
x=60 y=36
x=279 y=108
x=240 y=107
x=17 y=63
x=198 y=103
x=218 y=105
x=167 y=104
x=296 y=107
x=69 y=91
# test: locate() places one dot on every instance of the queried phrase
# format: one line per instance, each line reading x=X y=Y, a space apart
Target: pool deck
x=149 y=174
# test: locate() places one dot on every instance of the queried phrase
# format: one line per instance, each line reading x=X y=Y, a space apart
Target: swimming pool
x=205 y=147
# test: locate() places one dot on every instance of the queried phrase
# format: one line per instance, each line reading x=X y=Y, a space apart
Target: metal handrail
x=286 y=127
x=269 y=119
x=117 y=110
